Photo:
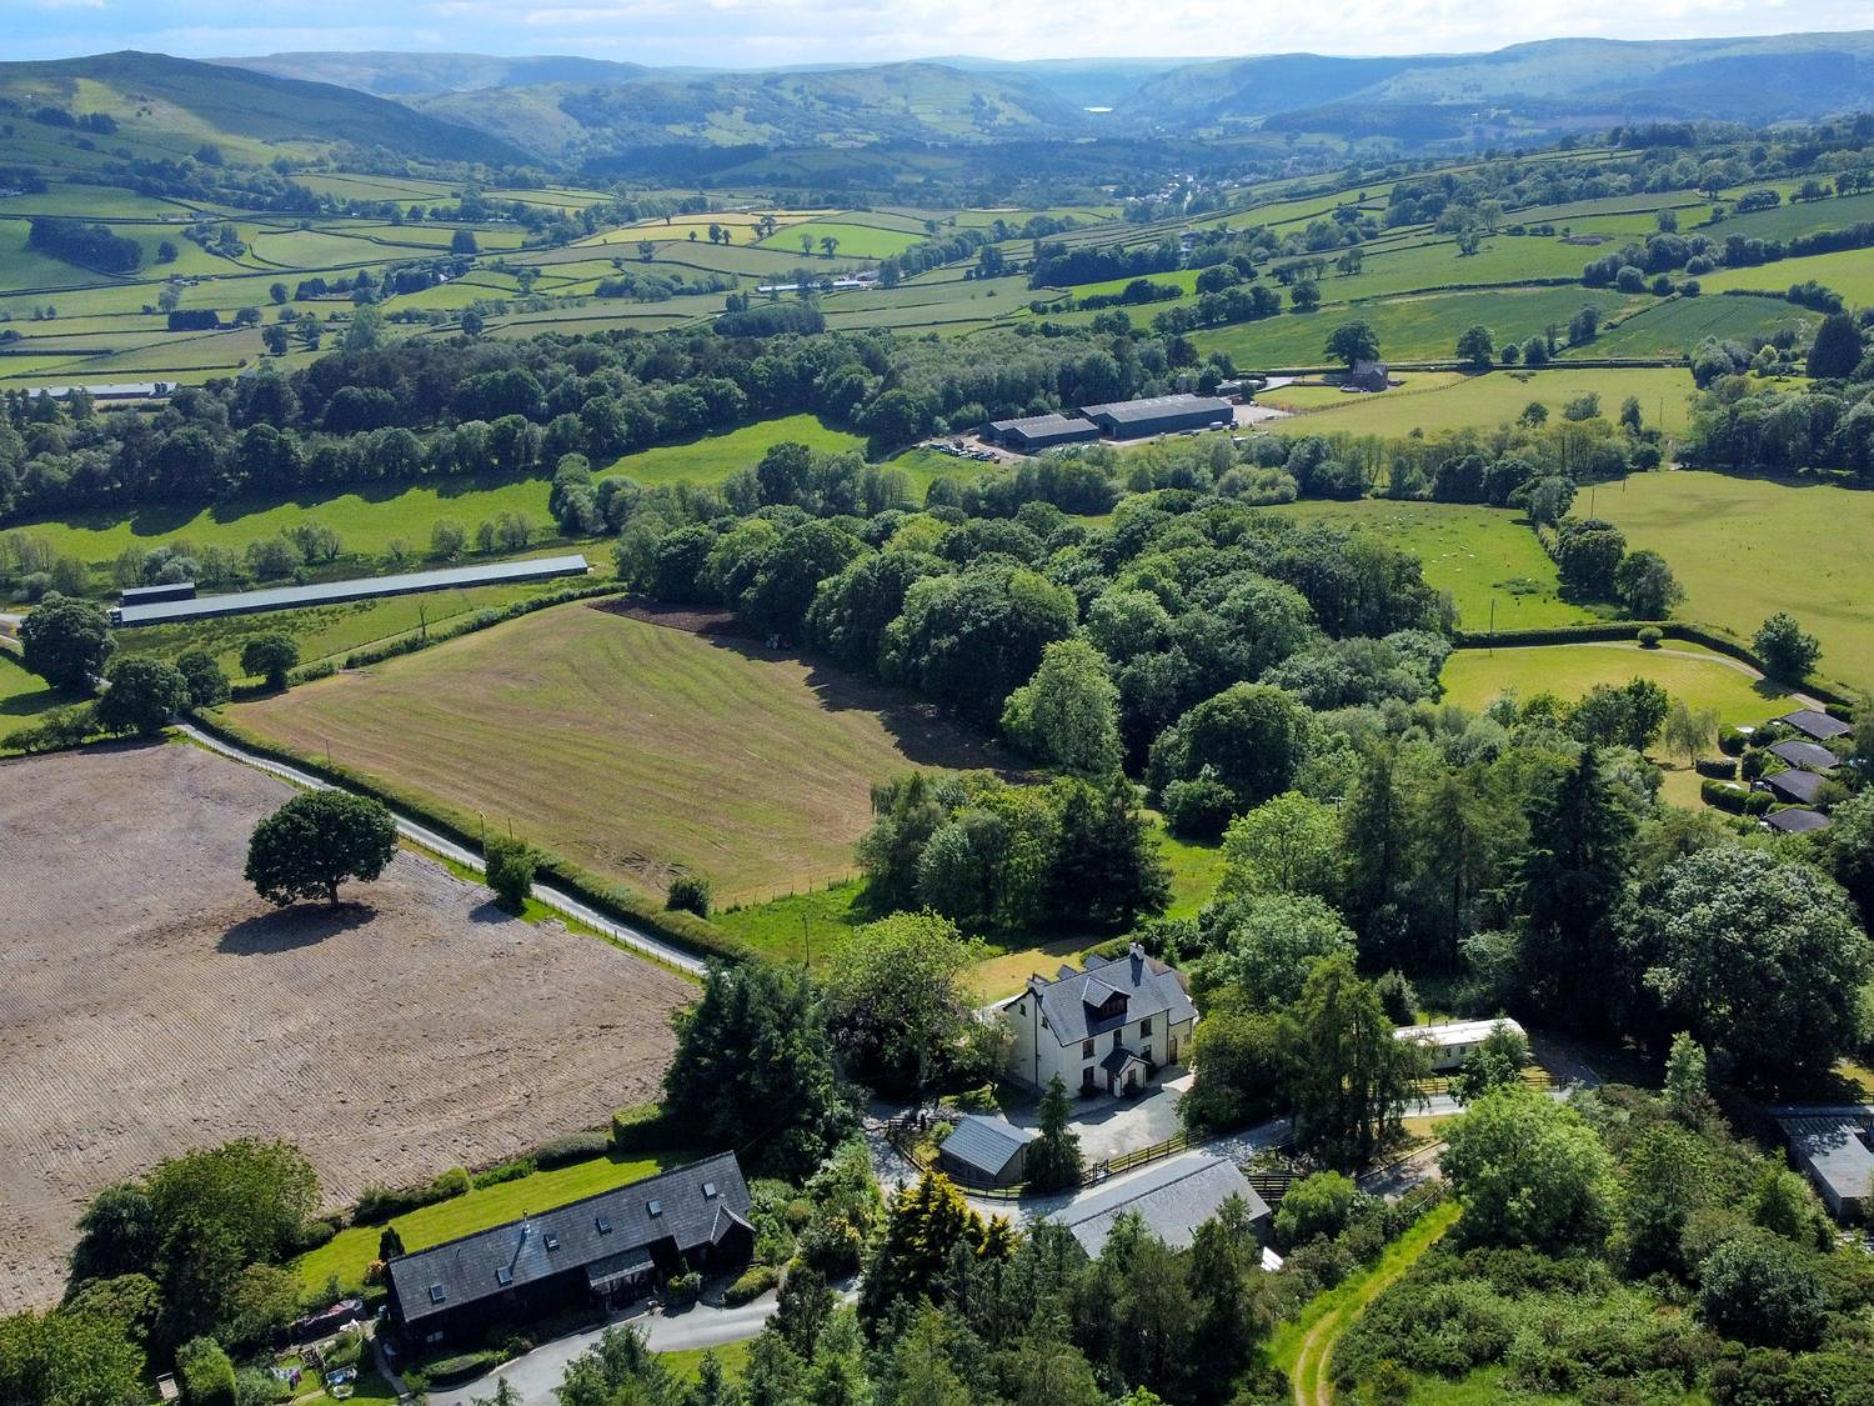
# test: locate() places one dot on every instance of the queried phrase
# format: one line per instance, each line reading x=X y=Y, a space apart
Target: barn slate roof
x=987 y=1144
x=1796 y=820
x=1796 y=785
x=1818 y=725
x=1810 y=756
x=1159 y=407
x=692 y=1206
x=1172 y=1199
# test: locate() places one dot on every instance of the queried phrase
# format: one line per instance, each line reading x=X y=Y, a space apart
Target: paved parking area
x=1109 y=1127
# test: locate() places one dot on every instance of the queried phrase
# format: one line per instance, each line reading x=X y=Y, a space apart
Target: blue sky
x=752 y=33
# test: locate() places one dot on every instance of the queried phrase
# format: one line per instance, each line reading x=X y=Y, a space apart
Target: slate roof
x=1832 y=1141
x=1069 y=1003
x=1810 y=756
x=987 y=1144
x=1816 y=724
x=1172 y=1199
x=695 y=1206
x=1039 y=426
x=1796 y=820
x=1457 y=1032
x=1160 y=407
x=1796 y=785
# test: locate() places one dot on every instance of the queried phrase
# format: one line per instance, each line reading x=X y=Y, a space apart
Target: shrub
x=1762 y=1289
x=1731 y=741
x=1725 y=795
x=207 y=1374
x=454 y=1182
x=1650 y=636
x=689 y=893
x=1199 y=809
x=640 y=1128
x=505 y=1171
x=684 y=1288
x=448 y=1371
x=1321 y=1204
x=752 y=1283
x=573 y=1147
x=1719 y=768
x=508 y=865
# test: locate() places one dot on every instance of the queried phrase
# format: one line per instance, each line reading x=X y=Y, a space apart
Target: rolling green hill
x=183 y=104
x=910 y=102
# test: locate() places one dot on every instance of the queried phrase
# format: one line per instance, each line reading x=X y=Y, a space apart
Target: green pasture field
x=95 y=203
x=855 y=241
x=1786 y=220
x=1441 y=400
x=714 y=457
x=1474 y=553
x=1503 y=258
x=923 y=467
x=636 y=751
x=935 y=317
x=348 y=1254
x=1473 y=678
x=313 y=248
x=369 y=519
x=1747 y=547
x=646 y=317
x=24 y=696
x=1675 y=326
x=1849 y=272
x=1410 y=329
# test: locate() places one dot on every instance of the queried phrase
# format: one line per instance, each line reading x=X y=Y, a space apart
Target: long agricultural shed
x=360 y=588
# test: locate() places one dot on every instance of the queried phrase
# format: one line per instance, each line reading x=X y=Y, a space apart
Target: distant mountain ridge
x=156 y=92
x=390 y=74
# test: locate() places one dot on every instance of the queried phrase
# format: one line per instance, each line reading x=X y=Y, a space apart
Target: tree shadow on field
x=492 y=913
x=289 y=929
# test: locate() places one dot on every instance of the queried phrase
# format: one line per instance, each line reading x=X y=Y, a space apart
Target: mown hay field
x=635 y=750
x=154 y=1003
x=1440 y=400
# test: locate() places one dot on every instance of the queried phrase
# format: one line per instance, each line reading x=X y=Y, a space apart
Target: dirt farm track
x=152 y=1003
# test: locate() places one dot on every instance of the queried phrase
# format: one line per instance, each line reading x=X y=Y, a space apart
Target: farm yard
x=155 y=1004
x=633 y=749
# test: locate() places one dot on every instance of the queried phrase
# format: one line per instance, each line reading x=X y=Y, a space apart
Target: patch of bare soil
x=151 y=1003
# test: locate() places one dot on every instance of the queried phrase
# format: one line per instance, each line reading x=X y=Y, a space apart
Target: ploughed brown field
x=152 y=1003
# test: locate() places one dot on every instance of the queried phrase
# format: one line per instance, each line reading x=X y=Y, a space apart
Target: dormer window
x=604 y=1225
x=655 y=1208
x=504 y=1276
x=553 y=1242
x=436 y=1294
x=709 y=1191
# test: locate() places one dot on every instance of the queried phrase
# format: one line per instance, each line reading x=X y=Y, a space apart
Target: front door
x=1171 y=1049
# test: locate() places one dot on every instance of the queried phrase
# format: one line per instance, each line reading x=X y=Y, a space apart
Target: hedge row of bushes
x=1718 y=768
x=753 y=1282
x=1838 y=698
x=614 y=901
x=383 y=1203
x=643 y=1127
x=1739 y=800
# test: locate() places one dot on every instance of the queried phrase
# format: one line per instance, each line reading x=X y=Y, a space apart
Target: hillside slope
x=390 y=74
x=156 y=94
x=1557 y=83
x=910 y=102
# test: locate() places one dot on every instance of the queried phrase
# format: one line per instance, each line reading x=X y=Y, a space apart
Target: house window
x=1116 y=1035
x=1086 y=1049
x=604 y=1225
x=553 y=1242
x=656 y=1208
x=504 y=1276
x=1145 y=1026
x=709 y=1191
x=1146 y=1054
x=436 y=1294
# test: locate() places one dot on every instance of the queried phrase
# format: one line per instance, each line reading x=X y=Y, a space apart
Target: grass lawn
x=1438 y=401
x=1747 y=547
x=1850 y=272
x=790 y=928
x=714 y=457
x=24 y=696
x=1473 y=677
x=687 y=1364
x=349 y=1253
x=1475 y=553
x=368 y=520
x=1196 y=870
x=634 y=750
x=1673 y=328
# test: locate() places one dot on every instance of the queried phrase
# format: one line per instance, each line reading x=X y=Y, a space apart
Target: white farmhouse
x=1110 y=1027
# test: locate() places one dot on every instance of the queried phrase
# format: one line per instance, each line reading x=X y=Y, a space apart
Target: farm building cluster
x=1802 y=784
x=1117 y=420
